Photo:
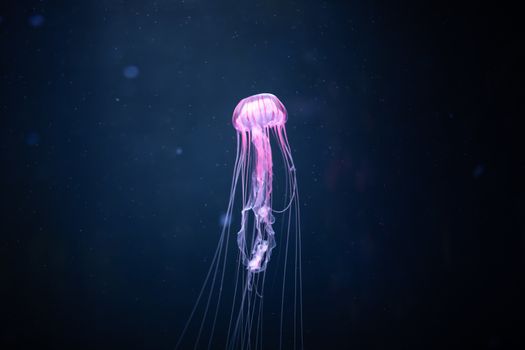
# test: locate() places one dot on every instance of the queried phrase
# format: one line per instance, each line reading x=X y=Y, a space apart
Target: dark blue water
x=117 y=154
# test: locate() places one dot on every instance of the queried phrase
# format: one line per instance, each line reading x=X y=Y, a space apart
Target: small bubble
x=36 y=20
x=32 y=139
x=131 y=72
x=478 y=171
x=225 y=220
x=178 y=151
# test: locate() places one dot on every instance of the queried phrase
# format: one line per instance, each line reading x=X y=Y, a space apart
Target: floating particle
x=36 y=20
x=478 y=171
x=32 y=139
x=131 y=72
x=225 y=219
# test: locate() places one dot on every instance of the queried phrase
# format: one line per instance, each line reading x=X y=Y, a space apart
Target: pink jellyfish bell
x=259 y=111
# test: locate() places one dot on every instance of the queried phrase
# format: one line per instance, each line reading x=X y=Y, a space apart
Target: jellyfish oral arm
x=257 y=256
x=259 y=204
x=263 y=168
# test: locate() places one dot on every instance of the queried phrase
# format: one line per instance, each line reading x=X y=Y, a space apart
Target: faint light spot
x=32 y=139
x=478 y=171
x=225 y=220
x=178 y=151
x=36 y=20
x=131 y=72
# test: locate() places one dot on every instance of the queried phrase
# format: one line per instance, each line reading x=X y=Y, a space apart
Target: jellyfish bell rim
x=237 y=113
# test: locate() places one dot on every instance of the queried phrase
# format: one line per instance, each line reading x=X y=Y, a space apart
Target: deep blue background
x=117 y=150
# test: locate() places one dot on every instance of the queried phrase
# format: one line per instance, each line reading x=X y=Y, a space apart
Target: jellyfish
x=254 y=118
x=257 y=119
